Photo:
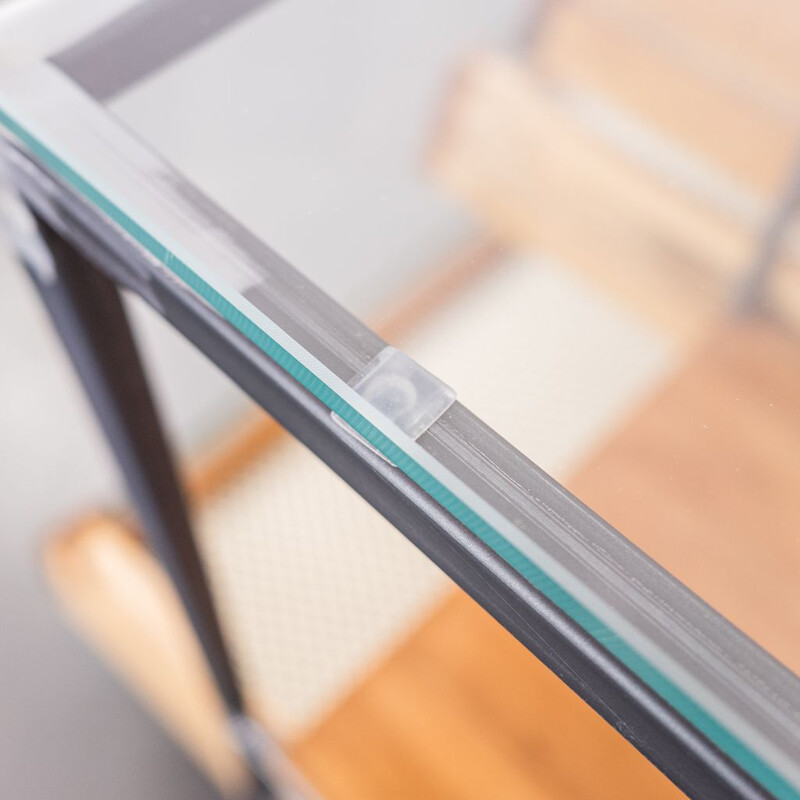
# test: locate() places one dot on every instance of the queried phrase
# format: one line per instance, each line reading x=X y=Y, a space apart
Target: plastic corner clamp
x=403 y=391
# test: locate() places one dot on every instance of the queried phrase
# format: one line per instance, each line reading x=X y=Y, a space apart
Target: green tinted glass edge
x=715 y=731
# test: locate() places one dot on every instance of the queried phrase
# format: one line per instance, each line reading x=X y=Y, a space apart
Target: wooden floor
x=705 y=479
x=462 y=710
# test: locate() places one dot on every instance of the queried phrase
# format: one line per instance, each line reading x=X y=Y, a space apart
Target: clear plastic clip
x=405 y=393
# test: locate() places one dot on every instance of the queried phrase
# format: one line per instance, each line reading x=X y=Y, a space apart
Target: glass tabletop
x=576 y=219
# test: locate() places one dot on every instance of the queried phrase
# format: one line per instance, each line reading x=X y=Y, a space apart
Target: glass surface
x=560 y=216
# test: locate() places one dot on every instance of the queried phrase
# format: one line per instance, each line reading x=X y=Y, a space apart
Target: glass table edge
x=408 y=457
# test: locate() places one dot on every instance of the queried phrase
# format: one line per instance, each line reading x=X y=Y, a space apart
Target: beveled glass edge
x=516 y=546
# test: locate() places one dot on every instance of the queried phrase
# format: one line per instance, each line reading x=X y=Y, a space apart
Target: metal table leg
x=88 y=314
x=753 y=291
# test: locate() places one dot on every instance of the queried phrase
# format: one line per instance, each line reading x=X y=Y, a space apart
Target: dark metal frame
x=752 y=295
x=90 y=257
x=86 y=309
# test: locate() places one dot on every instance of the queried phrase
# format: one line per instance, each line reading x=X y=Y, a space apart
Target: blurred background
x=578 y=213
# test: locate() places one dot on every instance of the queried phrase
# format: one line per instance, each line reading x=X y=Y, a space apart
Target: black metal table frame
x=79 y=283
x=86 y=260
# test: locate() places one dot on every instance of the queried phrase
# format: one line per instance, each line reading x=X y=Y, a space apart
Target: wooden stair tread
x=702 y=102
x=753 y=41
x=119 y=597
x=540 y=181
